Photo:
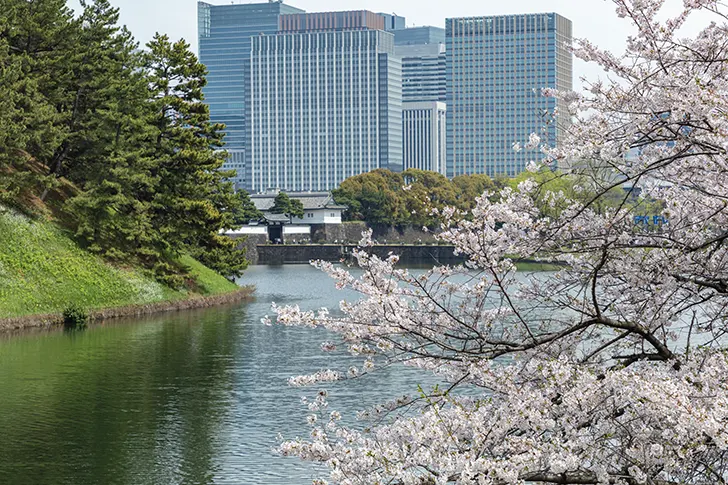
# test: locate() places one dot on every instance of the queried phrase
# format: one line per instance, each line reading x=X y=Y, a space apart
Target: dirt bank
x=50 y=320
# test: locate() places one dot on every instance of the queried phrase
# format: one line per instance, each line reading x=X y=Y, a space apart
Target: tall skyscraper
x=419 y=35
x=224 y=34
x=423 y=130
x=423 y=72
x=496 y=68
x=324 y=102
x=393 y=21
x=422 y=50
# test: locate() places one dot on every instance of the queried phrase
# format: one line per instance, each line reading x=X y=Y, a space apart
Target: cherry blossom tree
x=612 y=370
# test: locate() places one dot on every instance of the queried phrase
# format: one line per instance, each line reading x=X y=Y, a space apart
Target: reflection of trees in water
x=129 y=403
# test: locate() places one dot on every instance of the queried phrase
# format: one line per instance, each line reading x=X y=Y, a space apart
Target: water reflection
x=187 y=398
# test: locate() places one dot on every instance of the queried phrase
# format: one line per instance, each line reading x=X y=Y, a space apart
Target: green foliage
x=208 y=281
x=375 y=197
x=246 y=211
x=194 y=200
x=75 y=317
x=407 y=198
x=80 y=100
x=426 y=191
x=580 y=185
x=468 y=187
x=285 y=205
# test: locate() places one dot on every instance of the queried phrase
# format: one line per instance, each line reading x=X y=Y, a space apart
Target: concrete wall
x=247 y=230
x=290 y=230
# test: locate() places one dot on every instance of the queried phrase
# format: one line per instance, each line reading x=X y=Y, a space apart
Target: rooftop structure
x=419 y=36
x=320 y=21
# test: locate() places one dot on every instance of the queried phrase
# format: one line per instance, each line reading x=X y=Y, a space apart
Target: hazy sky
x=593 y=19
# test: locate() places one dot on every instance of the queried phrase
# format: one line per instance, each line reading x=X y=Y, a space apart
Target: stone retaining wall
x=303 y=253
x=350 y=233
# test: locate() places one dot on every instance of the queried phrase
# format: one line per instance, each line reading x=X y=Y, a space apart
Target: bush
x=75 y=317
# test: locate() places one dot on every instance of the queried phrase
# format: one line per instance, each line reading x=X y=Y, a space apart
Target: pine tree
x=283 y=204
x=108 y=151
x=247 y=212
x=194 y=200
x=26 y=121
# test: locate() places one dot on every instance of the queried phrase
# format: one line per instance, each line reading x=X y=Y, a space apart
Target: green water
x=140 y=403
x=187 y=398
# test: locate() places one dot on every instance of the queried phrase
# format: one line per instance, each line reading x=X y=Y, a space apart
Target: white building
x=425 y=137
x=319 y=208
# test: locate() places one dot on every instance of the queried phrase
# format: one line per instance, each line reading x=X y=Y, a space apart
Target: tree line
x=418 y=197
x=114 y=137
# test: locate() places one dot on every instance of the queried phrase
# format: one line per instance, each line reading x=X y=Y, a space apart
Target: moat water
x=196 y=397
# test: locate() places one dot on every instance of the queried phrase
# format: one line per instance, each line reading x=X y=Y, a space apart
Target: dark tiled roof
x=310 y=200
x=277 y=217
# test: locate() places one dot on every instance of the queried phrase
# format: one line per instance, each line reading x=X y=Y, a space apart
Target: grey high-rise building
x=423 y=129
x=324 y=102
x=423 y=72
x=225 y=33
x=496 y=68
x=419 y=35
x=393 y=21
x=422 y=50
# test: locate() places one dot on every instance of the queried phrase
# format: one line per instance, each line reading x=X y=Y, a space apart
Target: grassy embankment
x=43 y=271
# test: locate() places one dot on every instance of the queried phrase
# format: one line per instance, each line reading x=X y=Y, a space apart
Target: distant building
x=419 y=35
x=324 y=102
x=319 y=208
x=423 y=72
x=423 y=128
x=224 y=37
x=496 y=68
x=393 y=22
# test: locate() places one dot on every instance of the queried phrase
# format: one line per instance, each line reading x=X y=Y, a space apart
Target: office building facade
x=393 y=21
x=423 y=129
x=419 y=36
x=495 y=69
x=324 y=103
x=423 y=72
x=225 y=33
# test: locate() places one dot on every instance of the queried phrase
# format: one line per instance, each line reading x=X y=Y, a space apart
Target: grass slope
x=43 y=271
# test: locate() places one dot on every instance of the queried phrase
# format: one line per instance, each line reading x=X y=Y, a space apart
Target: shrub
x=75 y=317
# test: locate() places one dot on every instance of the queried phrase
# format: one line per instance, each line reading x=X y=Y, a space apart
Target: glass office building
x=423 y=72
x=419 y=36
x=393 y=21
x=423 y=127
x=224 y=35
x=324 y=103
x=496 y=68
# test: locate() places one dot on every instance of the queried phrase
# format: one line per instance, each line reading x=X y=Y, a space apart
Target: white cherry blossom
x=611 y=370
